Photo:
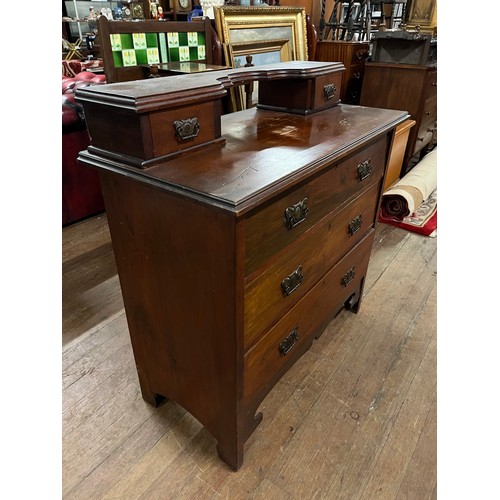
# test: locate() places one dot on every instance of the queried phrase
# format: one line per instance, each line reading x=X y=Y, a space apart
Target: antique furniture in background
x=412 y=87
x=423 y=13
x=387 y=14
x=129 y=49
x=352 y=55
x=347 y=20
x=403 y=47
x=397 y=152
x=238 y=237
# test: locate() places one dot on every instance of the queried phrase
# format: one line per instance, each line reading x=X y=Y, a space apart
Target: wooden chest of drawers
x=409 y=87
x=352 y=55
x=232 y=260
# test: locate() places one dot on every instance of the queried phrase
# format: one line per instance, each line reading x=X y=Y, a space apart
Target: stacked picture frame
x=257 y=35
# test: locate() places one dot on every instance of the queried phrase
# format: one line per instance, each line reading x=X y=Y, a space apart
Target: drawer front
x=182 y=128
x=327 y=90
x=428 y=124
x=353 y=84
x=277 y=225
x=359 y=54
x=287 y=340
x=275 y=291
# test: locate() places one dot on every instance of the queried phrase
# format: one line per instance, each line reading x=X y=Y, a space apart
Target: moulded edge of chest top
x=146 y=122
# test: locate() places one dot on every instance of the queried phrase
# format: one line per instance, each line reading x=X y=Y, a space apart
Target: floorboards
x=354 y=418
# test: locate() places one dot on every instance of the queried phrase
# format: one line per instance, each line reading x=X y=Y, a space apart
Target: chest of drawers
x=352 y=55
x=412 y=88
x=234 y=258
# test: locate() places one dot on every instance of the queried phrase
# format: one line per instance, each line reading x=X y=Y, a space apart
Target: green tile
x=117 y=59
x=152 y=39
x=127 y=42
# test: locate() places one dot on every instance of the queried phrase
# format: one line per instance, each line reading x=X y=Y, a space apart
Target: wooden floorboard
x=354 y=418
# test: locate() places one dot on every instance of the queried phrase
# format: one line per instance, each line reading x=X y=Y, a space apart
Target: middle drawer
x=280 y=286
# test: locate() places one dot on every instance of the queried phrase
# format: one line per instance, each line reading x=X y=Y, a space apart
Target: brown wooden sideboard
x=409 y=87
x=238 y=237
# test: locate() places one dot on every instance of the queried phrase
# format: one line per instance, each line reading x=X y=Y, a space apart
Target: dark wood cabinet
x=234 y=256
x=408 y=87
x=352 y=55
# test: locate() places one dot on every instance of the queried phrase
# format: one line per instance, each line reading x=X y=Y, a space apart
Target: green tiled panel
x=153 y=48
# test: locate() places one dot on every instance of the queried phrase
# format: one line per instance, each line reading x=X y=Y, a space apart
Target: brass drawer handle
x=348 y=276
x=364 y=169
x=296 y=214
x=355 y=225
x=186 y=129
x=329 y=91
x=357 y=75
x=290 y=340
x=292 y=282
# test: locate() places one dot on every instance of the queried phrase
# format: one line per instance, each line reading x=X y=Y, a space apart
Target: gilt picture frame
x=262 y=52
x=236 y=24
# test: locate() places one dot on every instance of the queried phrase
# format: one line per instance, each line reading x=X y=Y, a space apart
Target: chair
x=129 y=48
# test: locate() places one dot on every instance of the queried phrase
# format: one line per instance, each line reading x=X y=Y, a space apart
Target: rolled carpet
x=405 y=196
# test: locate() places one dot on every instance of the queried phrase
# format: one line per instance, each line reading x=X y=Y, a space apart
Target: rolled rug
x=405 y=196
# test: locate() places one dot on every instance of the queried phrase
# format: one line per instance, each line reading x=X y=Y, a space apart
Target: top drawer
x=278 y=224
x=359 y=54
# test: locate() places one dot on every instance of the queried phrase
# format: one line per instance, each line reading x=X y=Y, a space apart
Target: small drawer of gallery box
x=274 y=227
x=290 y=337
x=303 y=95
x=277 y=289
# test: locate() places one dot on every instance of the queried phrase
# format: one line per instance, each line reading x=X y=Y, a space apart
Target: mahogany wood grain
x=328 y=241
x=308 y=441
x=180 y=235
x=266 y=231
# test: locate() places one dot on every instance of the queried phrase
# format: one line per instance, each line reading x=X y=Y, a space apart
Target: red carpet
x=422 y=221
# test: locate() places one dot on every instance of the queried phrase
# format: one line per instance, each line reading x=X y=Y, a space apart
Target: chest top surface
x=264 y=153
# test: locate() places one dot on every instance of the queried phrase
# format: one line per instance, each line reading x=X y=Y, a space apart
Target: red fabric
x=72 y=111
x=427 y=229
x=81 y=190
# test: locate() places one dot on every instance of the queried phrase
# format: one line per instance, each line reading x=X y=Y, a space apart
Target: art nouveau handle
x=355 y=225
x=292 y=282
x=348 y=276
x=364 y=169
x=296 y=214
x=290 y=340
x=186 y=129
x=329 y=91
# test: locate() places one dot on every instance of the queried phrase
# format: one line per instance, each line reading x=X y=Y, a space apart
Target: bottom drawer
x=269 y=359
